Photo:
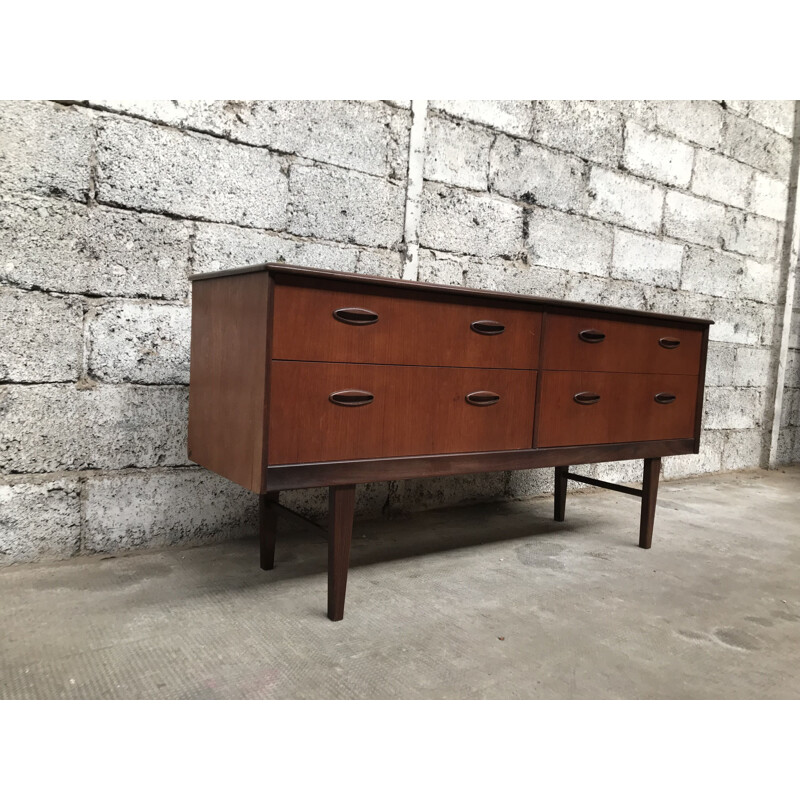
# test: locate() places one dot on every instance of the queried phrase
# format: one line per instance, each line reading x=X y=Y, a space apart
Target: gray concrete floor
x=476 y=602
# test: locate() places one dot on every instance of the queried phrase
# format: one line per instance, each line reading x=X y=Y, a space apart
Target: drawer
x=626 y=408
x=386 y=326
x=603 y=345
x=395 y=411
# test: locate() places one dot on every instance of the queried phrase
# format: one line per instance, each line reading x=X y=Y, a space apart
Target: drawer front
x=382 y=326
x=614 y=407
x=413 y=411
x=602 y=345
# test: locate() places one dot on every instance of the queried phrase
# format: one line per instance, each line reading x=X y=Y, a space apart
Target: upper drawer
x=385 y=326
x=603 y=345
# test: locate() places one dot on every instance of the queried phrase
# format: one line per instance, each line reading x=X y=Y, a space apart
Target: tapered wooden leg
x=267 y=525
x=341 y=505
x=560 y=494
x=652 y=468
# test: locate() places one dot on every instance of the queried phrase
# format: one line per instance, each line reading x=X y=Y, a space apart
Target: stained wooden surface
x=290 y=272
x=228 y=375
x=302 y=476
x=626 y=412
x=412 y=329
x=416 y=410
x=267 y=528
x=652 y=470
x=627 y=346
x=341 y=507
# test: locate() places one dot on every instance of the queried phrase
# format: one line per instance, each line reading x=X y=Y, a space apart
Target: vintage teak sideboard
x=303 y=377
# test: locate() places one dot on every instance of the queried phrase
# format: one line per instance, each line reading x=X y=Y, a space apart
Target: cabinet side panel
x=701 y=389
x=228 y=374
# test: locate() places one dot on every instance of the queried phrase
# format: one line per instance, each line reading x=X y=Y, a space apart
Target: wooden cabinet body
x=302 y=378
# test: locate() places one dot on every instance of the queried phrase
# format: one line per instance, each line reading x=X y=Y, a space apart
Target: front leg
x=652 y=468
x=267 y=527
x=341 y=508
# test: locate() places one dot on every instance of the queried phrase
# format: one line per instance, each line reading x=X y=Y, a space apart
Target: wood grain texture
x=412 y=329
x=341 y=508
x=290 y=272
x=652 y=470
x=228 y=378
x=626 y=412
x=302 y=476
x=415 y=411
x=627 y=347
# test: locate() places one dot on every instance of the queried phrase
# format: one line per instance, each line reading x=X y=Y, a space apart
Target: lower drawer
x=603 y=407
x=336 y=412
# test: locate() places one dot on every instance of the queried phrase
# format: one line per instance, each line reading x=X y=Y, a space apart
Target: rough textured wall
x=108 y=207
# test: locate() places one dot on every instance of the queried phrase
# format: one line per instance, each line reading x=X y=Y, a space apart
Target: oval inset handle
x=664 y=397
x=488 y=327
x=351 y=397
x=592 y=336
x=586 y=398
x=482 y=398
x=355 y=316
x=668 y=342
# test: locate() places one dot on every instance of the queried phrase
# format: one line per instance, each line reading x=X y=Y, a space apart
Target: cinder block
x=417 y=495
x=564 y=241
x=647 y=260
x=139 y=343
x=44 y=148
x=218 y=247
x=794 y=329
x=737 y=321
x=41 y=337
x=788 y=451
x=457 y=153
x=760 y=147
x=585 y=128
x=531 y=483
x=791 y=375
x=641 y=111
x=790 y=408
x=459 y=222
x=694 y=220
x=441 y=268
x=346 y=206
x=709 y=459
x=537 y=175
x=742 y=449
x=760 y=281
x=154 y=168
x=63 y=246
x=371 y=500
x=712 y=272
x=720 y=364
x=770 y=197
x=39 y=520
x=750 y=235
x=775 y=114
x=605 y=291
x=165 y=507
x=722 y=179
x=696 y=121
x=625 y=200
x=511 y=116
x=515 y=277
x=49 y=427
x=658 y=157
x=752 y=367
x=740 y=106
x=732 y=407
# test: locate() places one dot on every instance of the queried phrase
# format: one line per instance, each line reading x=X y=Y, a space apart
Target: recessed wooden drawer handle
x=482 y=398
x=669 y=343
x=351 y=397
x=586 y=398
x=592 y=336
x=488 y=327
x=355 y=316
x=665 y=397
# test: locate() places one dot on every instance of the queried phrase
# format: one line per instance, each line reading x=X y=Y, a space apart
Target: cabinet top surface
x=483 y=294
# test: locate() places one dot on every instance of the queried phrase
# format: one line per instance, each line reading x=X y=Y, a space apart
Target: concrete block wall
x=107 y=207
